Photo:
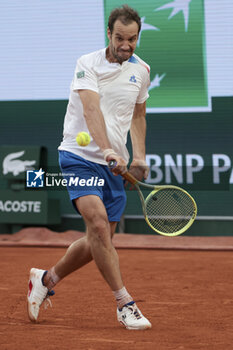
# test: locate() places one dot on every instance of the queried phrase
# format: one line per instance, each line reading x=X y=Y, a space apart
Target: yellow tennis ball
x=83 y=139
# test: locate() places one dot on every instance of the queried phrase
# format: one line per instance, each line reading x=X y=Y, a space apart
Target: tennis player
x=107 y=99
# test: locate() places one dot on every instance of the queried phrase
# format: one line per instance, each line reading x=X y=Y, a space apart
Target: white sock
x=122 y=297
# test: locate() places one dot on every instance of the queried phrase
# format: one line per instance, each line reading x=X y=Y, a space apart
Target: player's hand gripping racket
x=168 y=210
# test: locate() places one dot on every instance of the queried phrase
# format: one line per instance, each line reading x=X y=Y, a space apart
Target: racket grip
x=127 y=176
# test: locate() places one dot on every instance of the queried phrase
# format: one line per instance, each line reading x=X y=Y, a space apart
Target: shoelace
x=47 y=301
x=137 y=315
x=135 y=312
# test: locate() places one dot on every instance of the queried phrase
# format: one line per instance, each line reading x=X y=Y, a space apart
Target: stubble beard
x=119 y=59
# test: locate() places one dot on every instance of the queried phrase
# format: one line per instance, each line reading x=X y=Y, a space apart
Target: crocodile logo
x=15 y=166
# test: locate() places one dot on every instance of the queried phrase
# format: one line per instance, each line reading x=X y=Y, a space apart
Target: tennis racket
x=168 y=210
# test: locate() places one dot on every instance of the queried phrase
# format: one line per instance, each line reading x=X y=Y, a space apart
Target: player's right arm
x=97 y=128
x=85 y=83
x=94 y=118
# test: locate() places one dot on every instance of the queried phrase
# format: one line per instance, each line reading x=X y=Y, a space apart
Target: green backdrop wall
x=169 y=136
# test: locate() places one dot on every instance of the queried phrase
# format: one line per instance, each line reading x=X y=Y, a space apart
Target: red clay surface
x=187 y=295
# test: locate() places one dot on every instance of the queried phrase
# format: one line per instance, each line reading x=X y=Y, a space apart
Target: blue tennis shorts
x=87 y=178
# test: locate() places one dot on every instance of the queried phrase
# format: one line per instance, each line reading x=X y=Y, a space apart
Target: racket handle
x=127 y=176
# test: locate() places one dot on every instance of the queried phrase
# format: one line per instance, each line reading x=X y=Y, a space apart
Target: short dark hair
x=126 y=15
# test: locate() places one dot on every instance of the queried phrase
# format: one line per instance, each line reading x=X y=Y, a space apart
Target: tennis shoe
x=37 y=293
x=132 y=318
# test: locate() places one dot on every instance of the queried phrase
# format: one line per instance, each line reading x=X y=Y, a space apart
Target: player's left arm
x=138 y=167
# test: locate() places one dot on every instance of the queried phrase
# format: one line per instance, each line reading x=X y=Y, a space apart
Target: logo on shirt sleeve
x=80 y=74
x=133 y=79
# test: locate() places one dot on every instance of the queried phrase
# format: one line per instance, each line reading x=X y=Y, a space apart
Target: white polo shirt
x=120 y=87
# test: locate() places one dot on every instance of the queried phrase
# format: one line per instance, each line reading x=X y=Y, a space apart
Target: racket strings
x=169 y=210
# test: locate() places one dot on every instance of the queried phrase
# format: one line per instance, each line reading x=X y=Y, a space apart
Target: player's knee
x=101 y=226
x=99 y=229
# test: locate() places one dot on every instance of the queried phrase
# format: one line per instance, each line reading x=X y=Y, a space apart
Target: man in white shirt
x=107 y=99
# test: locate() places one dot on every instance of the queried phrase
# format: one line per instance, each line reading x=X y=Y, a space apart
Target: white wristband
x=107 y=153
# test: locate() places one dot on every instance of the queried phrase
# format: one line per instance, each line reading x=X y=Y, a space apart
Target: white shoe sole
x=142 y=328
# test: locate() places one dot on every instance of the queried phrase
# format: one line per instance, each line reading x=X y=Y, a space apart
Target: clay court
x=186 y=293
